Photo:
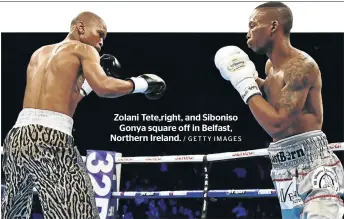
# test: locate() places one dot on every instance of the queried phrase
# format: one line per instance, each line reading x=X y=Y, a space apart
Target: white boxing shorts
x=308 y=177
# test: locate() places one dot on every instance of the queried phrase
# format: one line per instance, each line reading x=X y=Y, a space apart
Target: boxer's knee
x=323 y=209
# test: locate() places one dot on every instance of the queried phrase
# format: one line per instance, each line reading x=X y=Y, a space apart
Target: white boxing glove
x=236 y=67
x=85 y=89
x=255 y=75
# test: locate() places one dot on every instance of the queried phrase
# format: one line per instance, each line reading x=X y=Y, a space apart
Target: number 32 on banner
x=100 y=171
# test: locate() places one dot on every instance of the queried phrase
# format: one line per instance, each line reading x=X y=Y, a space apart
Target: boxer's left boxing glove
x=149 y=84
x=235 y=66
x=110 y=65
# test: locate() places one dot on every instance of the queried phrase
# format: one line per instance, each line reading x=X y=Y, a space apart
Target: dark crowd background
x=194 y=85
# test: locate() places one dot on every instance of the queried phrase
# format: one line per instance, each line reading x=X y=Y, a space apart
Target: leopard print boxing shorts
x=46 y=159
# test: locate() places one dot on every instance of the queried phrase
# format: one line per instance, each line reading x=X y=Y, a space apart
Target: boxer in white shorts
x=307 y=175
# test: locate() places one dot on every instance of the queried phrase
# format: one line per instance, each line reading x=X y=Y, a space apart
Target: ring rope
x=199 y=158
x=225 y=193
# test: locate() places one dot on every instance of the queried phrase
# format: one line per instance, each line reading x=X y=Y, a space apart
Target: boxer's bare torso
x=297 y=81
x=54 y=77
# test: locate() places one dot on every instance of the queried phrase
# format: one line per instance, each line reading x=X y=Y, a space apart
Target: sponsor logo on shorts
x=325 y=178
x=284 y=156
x=287 y=195
x=311 y=147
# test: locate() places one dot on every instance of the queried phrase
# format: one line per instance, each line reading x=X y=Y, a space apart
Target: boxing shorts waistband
x=46 y=118
x=302 y=149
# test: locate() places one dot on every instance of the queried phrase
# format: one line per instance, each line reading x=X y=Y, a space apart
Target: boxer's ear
x=80 y=27
x=274 y=26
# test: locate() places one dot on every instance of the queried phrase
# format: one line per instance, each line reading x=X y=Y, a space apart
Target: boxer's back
x=54 y=79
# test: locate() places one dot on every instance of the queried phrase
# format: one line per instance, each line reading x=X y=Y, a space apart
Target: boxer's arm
x=299 y=77
x=79 y=98
x=101 y=84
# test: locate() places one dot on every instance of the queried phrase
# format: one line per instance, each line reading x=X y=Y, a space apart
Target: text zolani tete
x=174 y=117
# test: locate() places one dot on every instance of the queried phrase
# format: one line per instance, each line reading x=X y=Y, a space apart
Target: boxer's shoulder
x=39 y=53
x=302 y=58
x=41 y=49
x=85 y=51
x=301 y=70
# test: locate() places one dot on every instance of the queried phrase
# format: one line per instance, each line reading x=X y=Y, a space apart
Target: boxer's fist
x=236 y=67
x=110 y=65
x=149 y=84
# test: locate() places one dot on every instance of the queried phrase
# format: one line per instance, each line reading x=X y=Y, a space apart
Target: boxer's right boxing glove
x=235 y=66
x=149 y=84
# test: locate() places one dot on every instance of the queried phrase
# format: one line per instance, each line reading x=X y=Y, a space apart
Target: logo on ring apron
x=283 y=156
x=325 y=177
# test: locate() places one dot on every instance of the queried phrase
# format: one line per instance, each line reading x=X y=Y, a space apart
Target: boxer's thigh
x=320 y=189
x=65 y=191
x=17 y=200
x=338 y=168
x=285 y=185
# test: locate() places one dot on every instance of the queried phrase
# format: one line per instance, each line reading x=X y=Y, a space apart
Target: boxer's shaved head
x=89 y=28
x=277 y=11
x=88 y=18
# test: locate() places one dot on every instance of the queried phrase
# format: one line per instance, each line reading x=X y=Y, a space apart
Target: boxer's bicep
x=93 y=72
x=299 y=77
x=101 y=84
